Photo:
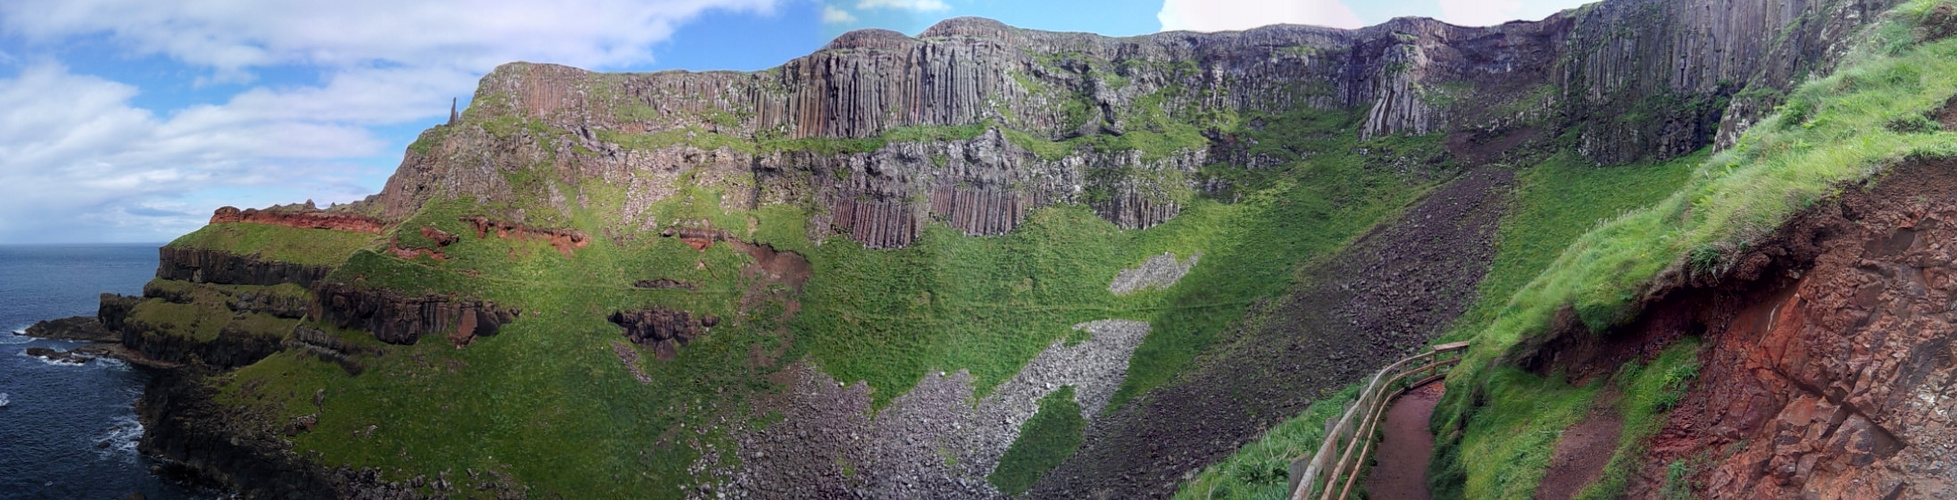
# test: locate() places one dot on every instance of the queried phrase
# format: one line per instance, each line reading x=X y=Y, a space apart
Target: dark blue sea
x=70 y=431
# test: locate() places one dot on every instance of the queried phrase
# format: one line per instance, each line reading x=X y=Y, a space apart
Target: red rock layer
x=564 y=240
x=304 y=219
x=1829 y=364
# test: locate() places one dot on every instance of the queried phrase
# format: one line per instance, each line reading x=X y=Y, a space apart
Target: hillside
x=987 y=261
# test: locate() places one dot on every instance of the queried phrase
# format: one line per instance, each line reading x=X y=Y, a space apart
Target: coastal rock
x=74 y=328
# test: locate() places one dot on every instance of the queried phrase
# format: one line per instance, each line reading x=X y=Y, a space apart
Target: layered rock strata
x=300 y=218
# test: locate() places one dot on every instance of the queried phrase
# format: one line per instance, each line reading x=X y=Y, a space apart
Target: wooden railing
x=1332 y=472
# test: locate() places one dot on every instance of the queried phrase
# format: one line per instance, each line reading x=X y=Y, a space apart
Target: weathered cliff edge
x=975 y=123
x=1826 y=358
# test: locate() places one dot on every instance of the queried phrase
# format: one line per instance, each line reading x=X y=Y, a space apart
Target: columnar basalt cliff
x=404 y=320
x=198 y=265
x=973 y=122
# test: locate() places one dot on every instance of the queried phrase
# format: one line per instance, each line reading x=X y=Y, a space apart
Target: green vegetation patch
x=313 y=247
x=1047 y=439
x=547 y=402
x=1556 y=202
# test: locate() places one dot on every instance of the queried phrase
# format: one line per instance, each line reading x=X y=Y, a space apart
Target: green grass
x=1047 y=439
x=314 y=247
x=206 y=314
x=1557 y=201
x=1515 y=434
x=1830 y=133
x=548 y=403
x=1261 y=469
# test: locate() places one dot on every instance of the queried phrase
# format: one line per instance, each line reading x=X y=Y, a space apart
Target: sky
x=125 y=121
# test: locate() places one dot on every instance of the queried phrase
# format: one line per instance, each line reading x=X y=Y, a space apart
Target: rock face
x=403 y=320
x=300 y=218
x=665 y=330
x=974 y=123
x=197 y=265
x=1828 y=370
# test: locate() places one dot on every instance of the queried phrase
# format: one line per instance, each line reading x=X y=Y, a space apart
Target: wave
x=53 y=362
x=16 y=336
x=3 y=400
x=120 y=440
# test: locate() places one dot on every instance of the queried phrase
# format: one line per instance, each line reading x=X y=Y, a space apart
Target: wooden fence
x=1332 y=472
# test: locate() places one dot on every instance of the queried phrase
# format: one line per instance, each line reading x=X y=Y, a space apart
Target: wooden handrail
x=1350 y=440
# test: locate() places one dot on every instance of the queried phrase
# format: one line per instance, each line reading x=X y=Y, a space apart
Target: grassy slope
x=548 y=403
x=1048 y=438
x=314 y=247
x=1832 y=131
x=1556 y=201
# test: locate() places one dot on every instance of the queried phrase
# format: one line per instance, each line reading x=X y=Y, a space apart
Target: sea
x=70 y=430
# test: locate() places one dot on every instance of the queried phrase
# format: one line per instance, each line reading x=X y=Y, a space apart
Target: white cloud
x=1228 y=15
x=233 y=35
x=1480 y=12
x=917 y=5
x=833 y=15
x=76 y=155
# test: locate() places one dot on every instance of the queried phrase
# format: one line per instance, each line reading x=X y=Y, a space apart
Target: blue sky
x=131 y=120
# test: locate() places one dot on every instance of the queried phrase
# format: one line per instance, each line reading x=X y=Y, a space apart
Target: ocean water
x=70 y=431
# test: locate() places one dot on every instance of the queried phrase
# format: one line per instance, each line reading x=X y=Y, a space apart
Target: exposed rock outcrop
x=113 y=310
x=396 y=319
x=564 y=240
x=76 y=328
x=235 y=344
x=197 y=265
x=665 y=330
x=300 y=218
x=1828 y=370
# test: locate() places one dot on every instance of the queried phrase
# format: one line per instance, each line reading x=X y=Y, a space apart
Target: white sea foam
x=23 y=352
x=16 y=336
x=119 y=441
x=3 y=400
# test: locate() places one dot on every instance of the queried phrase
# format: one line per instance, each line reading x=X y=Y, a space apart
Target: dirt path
x=1582 y=453
x=1400 y=470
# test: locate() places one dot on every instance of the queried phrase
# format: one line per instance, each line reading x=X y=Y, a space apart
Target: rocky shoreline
x=102 y=343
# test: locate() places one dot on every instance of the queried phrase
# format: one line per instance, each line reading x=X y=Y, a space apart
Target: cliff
x=974 y=123
x=694 y=266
